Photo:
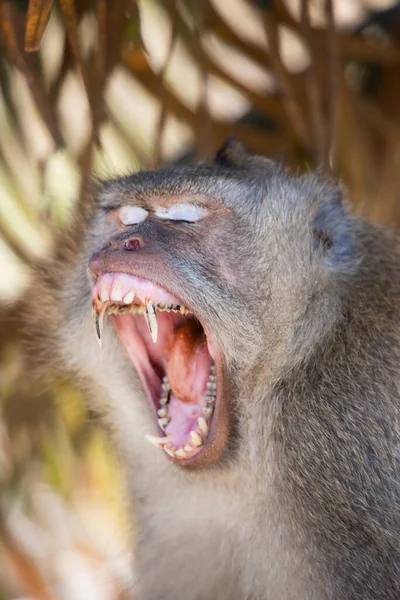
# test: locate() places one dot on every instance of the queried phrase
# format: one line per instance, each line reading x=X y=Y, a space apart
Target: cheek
x=229 y=276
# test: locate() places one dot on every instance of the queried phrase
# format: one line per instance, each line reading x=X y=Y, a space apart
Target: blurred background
x=106 y=87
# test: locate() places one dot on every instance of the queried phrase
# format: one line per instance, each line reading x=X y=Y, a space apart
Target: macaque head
x=215 y=279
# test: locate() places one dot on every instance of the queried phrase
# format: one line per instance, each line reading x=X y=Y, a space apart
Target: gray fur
x=305 y=503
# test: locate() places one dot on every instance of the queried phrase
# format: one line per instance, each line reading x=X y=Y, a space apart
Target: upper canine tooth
x=98 y=318
x=151 y=319
x=129 y=297
x=116 y=291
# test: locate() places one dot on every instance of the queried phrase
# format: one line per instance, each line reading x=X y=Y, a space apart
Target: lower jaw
x=204 y=442
x=185 y=426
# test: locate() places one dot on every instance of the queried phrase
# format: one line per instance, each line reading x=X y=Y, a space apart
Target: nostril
x=132 y=245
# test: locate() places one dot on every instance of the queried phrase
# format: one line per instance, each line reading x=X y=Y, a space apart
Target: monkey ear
x=331 y=229
x=234 y=154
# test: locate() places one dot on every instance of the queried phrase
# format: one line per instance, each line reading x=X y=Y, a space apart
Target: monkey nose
x=98 y=260
x=130 y=244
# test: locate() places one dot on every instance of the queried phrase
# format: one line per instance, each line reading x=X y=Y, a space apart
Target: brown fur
x=303 y=298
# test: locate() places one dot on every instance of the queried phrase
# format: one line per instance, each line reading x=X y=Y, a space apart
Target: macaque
x=239 y=329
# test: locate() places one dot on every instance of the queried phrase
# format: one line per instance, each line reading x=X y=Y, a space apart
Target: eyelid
x=190 y=213
x=132 y=215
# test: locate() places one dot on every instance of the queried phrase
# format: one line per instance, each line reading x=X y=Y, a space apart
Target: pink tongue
x=189 y=362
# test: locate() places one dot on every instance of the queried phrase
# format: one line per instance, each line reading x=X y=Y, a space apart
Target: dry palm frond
x=111 y=86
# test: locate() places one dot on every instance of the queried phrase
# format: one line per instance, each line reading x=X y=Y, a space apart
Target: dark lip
x=217 y=438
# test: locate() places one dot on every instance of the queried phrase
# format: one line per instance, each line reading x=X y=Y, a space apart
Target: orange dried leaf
x=36 y=21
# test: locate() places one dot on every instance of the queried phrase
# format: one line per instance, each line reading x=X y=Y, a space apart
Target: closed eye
x=132 y=215
x=188 y=213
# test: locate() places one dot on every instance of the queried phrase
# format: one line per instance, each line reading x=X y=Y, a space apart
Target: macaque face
x=139 y=283
x=183 y=263
x=160 y=274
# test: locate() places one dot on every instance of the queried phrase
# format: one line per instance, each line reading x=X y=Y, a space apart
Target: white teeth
x=159 y=442
x=208 y=411
x=116 y=292
x=163 y=422
x=162 y=412
x=180 y=453
x=129 y=297
x=202 y=425
x=188 y=448
x=196 y=439
x=151 y=319
x=169 y=451
x=104 y=297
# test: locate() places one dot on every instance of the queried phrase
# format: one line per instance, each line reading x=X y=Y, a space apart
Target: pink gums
x=144 y=289
x=183 y=420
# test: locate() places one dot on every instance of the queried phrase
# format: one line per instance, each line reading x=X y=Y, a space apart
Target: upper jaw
x=117 y=293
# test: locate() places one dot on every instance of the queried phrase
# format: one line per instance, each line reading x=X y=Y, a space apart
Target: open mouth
x=179 y=365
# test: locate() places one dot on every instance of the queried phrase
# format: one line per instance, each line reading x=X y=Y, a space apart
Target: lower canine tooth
x=169 y=451
x=196 y=438
x=159 y=442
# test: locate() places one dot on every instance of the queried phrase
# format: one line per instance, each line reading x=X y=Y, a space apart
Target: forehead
x=199 y=185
